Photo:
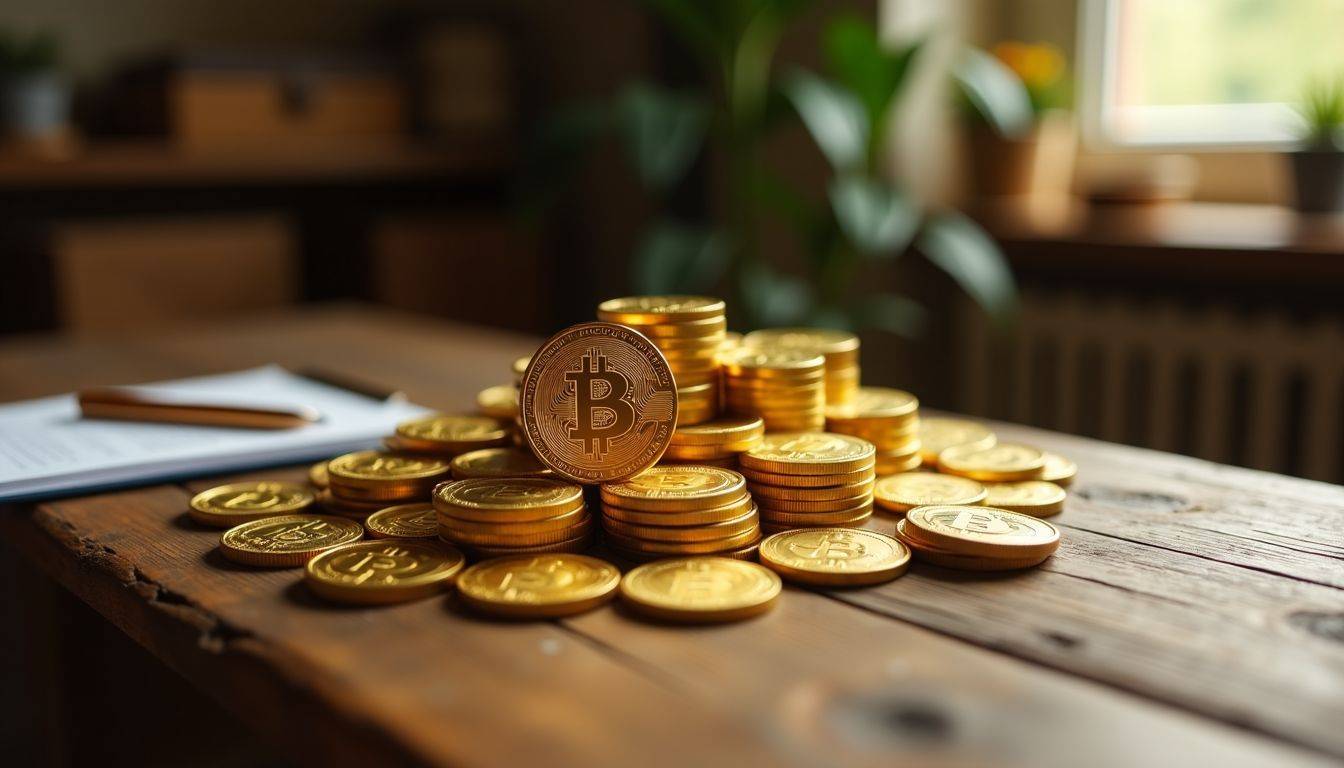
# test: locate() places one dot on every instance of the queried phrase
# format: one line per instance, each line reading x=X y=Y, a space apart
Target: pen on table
x=128 y=404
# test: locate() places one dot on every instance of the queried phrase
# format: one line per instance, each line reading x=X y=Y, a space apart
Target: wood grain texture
x=1191 y=615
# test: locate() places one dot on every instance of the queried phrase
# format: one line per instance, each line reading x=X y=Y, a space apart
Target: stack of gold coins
x=1038 y=498
x=498 y=462
x=811 y=480
x=887 y=418
x=496 y=517
x=839 y=348
x=716 y=443
x=446 y=435
x=977 y=538
x=499 y=402
x=785 y=387
x=673 y=510
x=689 y=331
x=364 y=482
x=898 y=494
x=938 y=433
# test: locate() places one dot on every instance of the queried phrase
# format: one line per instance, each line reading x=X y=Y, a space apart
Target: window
x=1204 y=72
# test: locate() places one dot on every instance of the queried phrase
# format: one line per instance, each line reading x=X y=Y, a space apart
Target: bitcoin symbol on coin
x=978 y=522
x=833 y=548
x=601 y=409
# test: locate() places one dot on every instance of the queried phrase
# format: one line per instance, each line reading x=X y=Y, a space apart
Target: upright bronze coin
x=599 y=403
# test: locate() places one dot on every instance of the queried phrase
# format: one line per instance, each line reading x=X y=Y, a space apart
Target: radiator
x=1260 y=390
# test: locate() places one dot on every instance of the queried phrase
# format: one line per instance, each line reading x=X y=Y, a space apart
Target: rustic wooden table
x=1193 y=614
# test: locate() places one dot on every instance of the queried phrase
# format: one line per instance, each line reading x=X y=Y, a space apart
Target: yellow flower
x=1038 y=65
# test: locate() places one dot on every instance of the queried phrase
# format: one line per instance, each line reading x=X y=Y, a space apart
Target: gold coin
x=693 y=452
x=709 y=327
x=835 y=557
x=704 y=516
x=948 y=559
x=288 y=540
x=809 y=453
x=540 y=586
x=712 y=546
x=828 y=505
x=504 y=536
x=700 y=394
x=498 y=462
x=736 y=526
x=848 y=518
x=728 y=462
x=564 y=520
x=875 y=403
x=317 y=475
x=1000 y=463
x=451 y=434
x=1038 y=498
x=381 y=572
x=723 y=431
x=646 y=310
x=225 y=506
x=370 y=469
x=903 y=492
x=676 y=487
x=507 y=499
x=771 y=363
x=839 y=347
x=599 y=403
x=806 y=481
x=1057 y=469
x=380 y=496
x=701 y=589
x=937 y=434
x=348 y=507
x=404 y=521
x=767 y=493
x=887 y=466
x=573 y=546
x=981 y=531
x=519 y=366
x=498 y=402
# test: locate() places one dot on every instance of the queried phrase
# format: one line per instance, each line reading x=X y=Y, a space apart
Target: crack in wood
x=1145 y=500
x=1322 y=624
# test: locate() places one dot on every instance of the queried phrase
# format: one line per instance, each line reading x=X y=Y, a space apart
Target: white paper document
x=46 y=449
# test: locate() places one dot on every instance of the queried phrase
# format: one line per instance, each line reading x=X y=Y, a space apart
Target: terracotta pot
x=1318 y=178
x=1037 y=164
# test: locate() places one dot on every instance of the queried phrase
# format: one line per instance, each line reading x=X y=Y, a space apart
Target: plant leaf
x=891 y=313
x=833 y=116
x=959 y=247
x=774 y=299
x=863 y=65
x=993 y=91
x=663 y=131
x=873 y=214
x=679 y=258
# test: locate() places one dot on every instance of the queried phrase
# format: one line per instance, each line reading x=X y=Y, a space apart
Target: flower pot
x=1038 y=164
x=1318 y=178
x=33 y=105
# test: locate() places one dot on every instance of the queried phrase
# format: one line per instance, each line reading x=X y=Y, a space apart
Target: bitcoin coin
x=404 y=521
x=381 y=572
x=498 y=462
x=1058 y=470
x=647 y=310
x=1037 y=498
x=540 y=586
x=700 y=589
x=903 y=492
x=511 y=499
x=228 y=505
x=937 y=434
x=498 y=402
x=1000 y=463
x=288 y=540
x=981 y=531
x=676 y=487
x=755 y=477
x=835 y=557
x=317 y=475
x=599 y=403
x=948 y=559
x=369 y=470
x=809 y=453
x=446 y=433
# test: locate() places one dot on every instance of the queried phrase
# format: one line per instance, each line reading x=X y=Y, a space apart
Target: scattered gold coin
x=404 y=521
x=317 y=475
x=498 y=402
x=937 y=434
x=537 y=587
x=981 y=531
x=700 y=589
x=950 y=559
x=1000 y=463
x=903 y=492
x=287 y=541
x=374 y=475
x=381 y=572
x=599 y=403
x=1037 y=498
x=1058 y=470
x=835 y=557
x=225 y=506
x=449 y=434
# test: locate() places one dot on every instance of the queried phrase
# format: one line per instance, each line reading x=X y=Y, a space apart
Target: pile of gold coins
x=499 y=517
x=976 y=538
x=839 y=349
x=715 y=443
x=786 y=388
x=672 y=510
x=690 y=331
x=887 y=418
x=361 y=483
x=811 y=480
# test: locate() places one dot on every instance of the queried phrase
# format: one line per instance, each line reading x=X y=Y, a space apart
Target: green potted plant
x=34 y=96
x=1036 y=160
x=1318 y=164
